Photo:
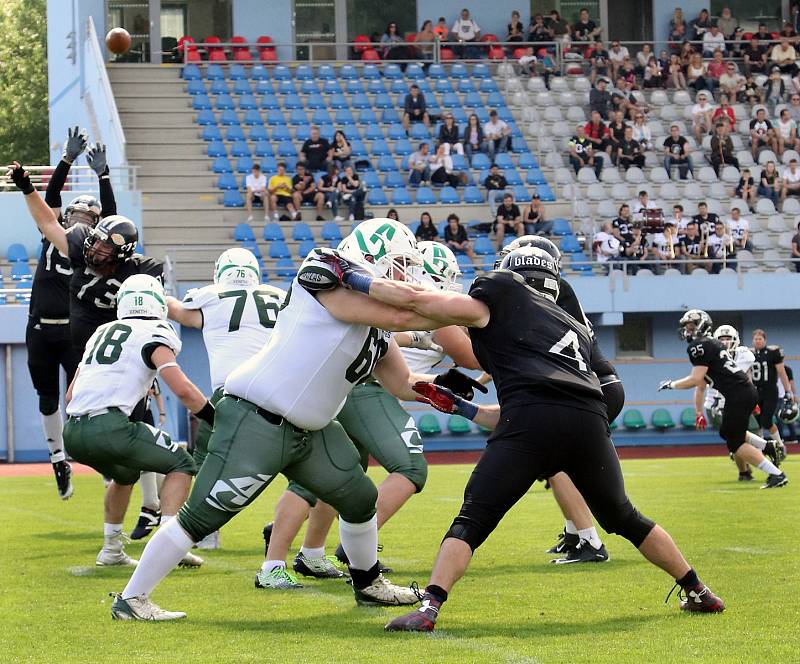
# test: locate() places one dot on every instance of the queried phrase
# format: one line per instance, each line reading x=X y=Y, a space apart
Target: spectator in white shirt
x=256 y=185
x=497 y=135
x=739 y=229
x=791 y=180
x=713 y=39
x=678 y=218
x=643 y=202
x=783 y=55
x=721 y=249
x=466 y=30
x=419 y=165
x=787 y=132
x=664 y=246
x=605 y=245
x=616 y=56
x=702 y=114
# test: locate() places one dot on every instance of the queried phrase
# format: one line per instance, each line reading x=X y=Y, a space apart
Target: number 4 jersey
x=723 y=374
x=312 y=360
x=116 y=371
x=237 y=323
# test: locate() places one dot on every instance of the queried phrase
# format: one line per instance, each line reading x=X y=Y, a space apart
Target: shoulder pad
x=165 y=334
x=271 y=291
x=317 y=275
x=197 y=298
x=778 y=348
x=147 y=265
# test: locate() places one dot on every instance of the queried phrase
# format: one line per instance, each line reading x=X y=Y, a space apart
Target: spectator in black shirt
x=495 y=184
x=352 y=192
x=448 y=135
x=700 y=25
x=600 y=98
x=508 y=219
x=692 y=248
x=634 y=248
x=328 y=186
x=722 y=153
x=535 y=222
x=621 y=226
x=616 y=132
x=629 y=152
x=538 y=31
x=415 y=108
x=455 y=237
x=585 y=29
x=426 y=231
x=598 y=59
x=581 y=152
x=304 y=190
x=755 y=57
x=676 y=153
x=705 y=220
x=746 y=189
x=316 y=151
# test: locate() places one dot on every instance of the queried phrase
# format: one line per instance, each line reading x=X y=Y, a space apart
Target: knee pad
x=613 y=395
x=302 y=492
x=416 y=471
x=48 y=404
x=629 y=523
x=468 y=531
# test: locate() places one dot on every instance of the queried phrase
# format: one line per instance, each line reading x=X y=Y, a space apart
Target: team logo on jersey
x=233 y=495
x=375 y=245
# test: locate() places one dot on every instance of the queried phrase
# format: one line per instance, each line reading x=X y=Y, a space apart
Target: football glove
x=21 y=178
x=75 y=145
x=700 y=422
x=716 y=408
x=665 y=385
x=96 y=158
x=757 y=410
x=424 y=341
x=350 y=275
x=444 y=400
x=460 y=383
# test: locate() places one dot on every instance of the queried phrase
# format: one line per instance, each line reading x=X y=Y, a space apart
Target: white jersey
x=743 y=358
x=237 y=323
x=420 y=360
x=115 y=371
x=311 y=362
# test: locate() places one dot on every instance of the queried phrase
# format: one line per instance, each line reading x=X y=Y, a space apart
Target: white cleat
x=190 y=560
x=141 y=608
x=210 y=541
x=383 y=592
x=113 y=557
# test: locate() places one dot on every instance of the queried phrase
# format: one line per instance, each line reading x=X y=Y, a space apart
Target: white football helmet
x=141 y=296
x=441 y=265
x=728 y=335
x=237 y=267
x=385 y=243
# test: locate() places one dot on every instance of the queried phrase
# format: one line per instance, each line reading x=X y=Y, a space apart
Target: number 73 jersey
x=237 y=323
x=116 y=370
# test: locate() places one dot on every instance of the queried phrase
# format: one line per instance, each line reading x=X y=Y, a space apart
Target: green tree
x=24 y=126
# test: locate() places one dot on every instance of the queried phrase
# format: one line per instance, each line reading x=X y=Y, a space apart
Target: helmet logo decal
x=376 y=244
x=117 y=239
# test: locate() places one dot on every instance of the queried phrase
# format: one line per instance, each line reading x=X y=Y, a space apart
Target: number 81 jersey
x=723 y=374
x=237 y=323
x=116 y=370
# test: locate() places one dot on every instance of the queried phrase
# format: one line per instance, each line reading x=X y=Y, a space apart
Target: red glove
x=700 y=422
x=441 y=398
x=757 y=410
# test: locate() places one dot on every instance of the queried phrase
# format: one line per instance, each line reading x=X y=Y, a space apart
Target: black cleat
x=566 y=542
x=775 y=481
x=63 y=472
x=746 y=476
x=772 y=453
x=583 y=553
x=700 y=599
x=147 y=523
x=341 y=556
x=267 y=533
x=421 y=620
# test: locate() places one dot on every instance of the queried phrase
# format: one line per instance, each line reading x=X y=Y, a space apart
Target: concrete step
x=156 y=134
x=170 y=88
x=136 y=103
x=181 y=201
x=145 y=119
x=145 y=151
x=169 y=167
x=178 y=181
x=129 y=72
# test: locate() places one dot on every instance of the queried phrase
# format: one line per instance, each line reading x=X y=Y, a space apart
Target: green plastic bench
x=633 y=420
x=428 y=425
x=458 y=424
x=662 y=420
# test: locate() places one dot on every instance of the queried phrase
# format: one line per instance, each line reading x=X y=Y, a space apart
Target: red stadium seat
x=447 y=54
x=266 y=50
x=497 y=53
x=519 y=52
x=240 y=53
x=186 y=44
x=370 y=54
x=193 y=55
x=489 y=38
x=361 y=43
x=747 y=35
x=215 y=53
x=411 y=37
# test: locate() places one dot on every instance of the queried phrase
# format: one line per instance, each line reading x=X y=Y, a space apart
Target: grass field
x=513 y=606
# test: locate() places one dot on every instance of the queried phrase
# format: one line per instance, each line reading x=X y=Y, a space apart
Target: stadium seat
x=425 y=196
x=297 y=116
x=240 y=149
x=428 y=425
x=386 y=164
x=580 y=263
x=279 y=249
x=223 y=102
x=17 y=253
x=404 y=148
x=304 y=248
x=232 y=199
x=285 y=268
x=331 y=232
x=401 y=196
x=221 y=165
x=688 y=418
x=373 y=132
x=380 y=148
x=272 y=232
x=480 y=162
x=483 y=246
x=286 y=149
x=473 y=194
x=418 y=131
x=20 y=271
x=570 y=244
x=458 y=425
x=216 y=149
x=302 y=231
x=201 y=102
x=561 y=227
x=661 y=419
x=521 y=194
x=449 y=196
x=211 y=133
x=377 y=197
x=371 y=180
x=633 y=420
x=243 y=233
x=191 y=73
x=244 y=164
x=394 y=180
x=228 y=117
x=227 y=181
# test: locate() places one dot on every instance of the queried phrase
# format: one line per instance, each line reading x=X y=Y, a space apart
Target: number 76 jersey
x=237 y=323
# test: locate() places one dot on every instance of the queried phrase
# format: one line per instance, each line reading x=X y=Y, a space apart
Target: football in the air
x=118 y=40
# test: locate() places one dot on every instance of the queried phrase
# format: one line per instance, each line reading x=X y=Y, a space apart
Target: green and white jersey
x=115 y=371
x=420 y=360
x=237 y=323
x=312 y=360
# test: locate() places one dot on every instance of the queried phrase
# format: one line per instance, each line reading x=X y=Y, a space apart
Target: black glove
x=20 y=177
x=96 y=158
x=75 y=145
x=459 y=383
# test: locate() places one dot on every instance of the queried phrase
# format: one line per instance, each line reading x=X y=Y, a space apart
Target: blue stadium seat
x=580 y=262
x=337 y=101
x=224 y=102
x=370 y=72
x=488 y=85
x=359 y=101
x=286 y=149
x=211 y=133
x=482 y=113
x=303 y=73
x=465 y=85
x=401 y=197
x=227 y=181
x=315 y=101
x=414 y=71
x=373 y=132
x=392 y=71
x=459 y=161
x=287 y=88
x=302 y=132
x=473 y=100
x=268 y=163
x=297 y=116
x=398 y=87
x=219 y=87
x=21 y=271
x=376 y=86
x=505 y=114
x=253 y=118
x=371 y=179
x=380 y=147
x=418 y=131
x=309 y=87
x=331 y=232
x=436 y=71
x=403 y=147
x=480 y=161
x=216 y=149
x=458 y=71
x=232 y=198
x=546 y=193
x=483 y=246
x=285 y=269
x=331 y=87
x=464 y=262
x=443 y=86
x=305 y=247
x=259 y=73
x=302 y=231
x=191 y=73
x=272 y=231
x=358 y=147
x=244 y=164
x=281 y=133
x=275 y=118
x=292 y=102
x=344 y=116
x=247 y=102
x=396 y=132
x=17 y=253
x=367 y=116
x=382 y=101
x=561 y=227
x=503 y=160
x=480 y=71
x=234 y=133
x=240 y=149
x=570 y=245
x=222 y=165
x=495 y=99
x=425 y=196
x=326 y=73
x=521 y=194
x=327 y=130
x=394 y=180
x=269 y=102
x=472 y=194
x=242 y=87
x=214 y=72
x=243 y=233
x=279 y=249
x=512 y=176
x=535 y=176
x=413 y=226
x=201 y=102
x=264 y=88
x=196 y=87
x=390 y=116
x=252 y=245
x=348 y=72
x=527 y=160
x=281 y=73
x=228 y=117
x=449 y=196
x=321 y=116
x=450 y=100
x=386 y=164
x=237 y=72
x=377 y=197
x=354 y=87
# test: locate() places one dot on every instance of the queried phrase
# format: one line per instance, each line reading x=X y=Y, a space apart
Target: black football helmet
x=84 y=209
x=788 y=411
x=694 y=324
x=110 y=242
x=537 y=268
x=530 y=241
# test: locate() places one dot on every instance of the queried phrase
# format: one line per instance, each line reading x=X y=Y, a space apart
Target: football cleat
x=319 y=568
x=583 y=553
x=278 y=578
x=775 y=481
x=113 y=557
x=341 y=556
x=267 y=534
x=63 y=472
x=701 y=600
x=421 y=620
x=147 y=523
x=771 y=452
x=382 y=592
x=780 y=450
x=746 y=476
x=141 y=608
x=566 y=542
x=190 y=560
x=210 y=541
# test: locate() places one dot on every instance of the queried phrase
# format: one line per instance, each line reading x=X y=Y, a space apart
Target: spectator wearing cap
x=739 y=228
x=508 y=219
x=256 y=190
x=581 y=152
x=783 y=55
x=713 y=39
x=495 y=183
x=600 y=98
x=414 y=108
x=702 y=113
x=722 y=152
x=535 y=222
x=497 y=135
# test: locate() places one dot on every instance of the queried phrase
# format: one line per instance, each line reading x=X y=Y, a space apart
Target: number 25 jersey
x=723 y=374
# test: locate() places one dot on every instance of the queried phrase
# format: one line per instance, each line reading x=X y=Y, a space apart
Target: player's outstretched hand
x=444 y=400
x=76 y=144
x=20 y=177
x=351 y=275
x=665 y=385
x=700 y=422
x=424 y=341
x=459 y=383
x=96 y=158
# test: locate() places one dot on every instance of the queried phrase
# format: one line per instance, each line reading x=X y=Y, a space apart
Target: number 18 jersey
x=116 y=371
x=237 y=323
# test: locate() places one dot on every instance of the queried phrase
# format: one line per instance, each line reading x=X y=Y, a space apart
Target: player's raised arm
x=98 y=162
x=694 y=379
x=163 y=359
x=45 y=218
x=74 y=146
x=182 y=315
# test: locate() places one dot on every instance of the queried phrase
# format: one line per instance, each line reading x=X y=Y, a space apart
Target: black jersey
x=723 y=374
x=50 y=287
x=93 y=296
x=765 y=373
x=534 y=350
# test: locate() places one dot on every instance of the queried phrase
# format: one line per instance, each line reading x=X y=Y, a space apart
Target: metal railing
x=81 y=179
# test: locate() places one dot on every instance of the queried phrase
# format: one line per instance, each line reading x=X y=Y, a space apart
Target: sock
x=269 y=565
x=570 y=528
x=165 y=518
x=768 y=467
x=360 y=542
x=439 y=593
x=756 y=441
x=149 y=486
x=53 y=426
x=112 y=530
x=163 y=552
x=776 y=436
x=362 y=578
x=591 y=536
x=317 y=552
x=688 y=580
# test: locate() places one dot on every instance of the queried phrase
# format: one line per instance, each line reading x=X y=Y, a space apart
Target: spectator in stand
x=755 y=57
x=581 y=152
x=621 y=226
x=721 y=249
x=731 y=82
x=538 y=31
x=557 y=25
x=441 y=30
x=627 y=100
x=352 y=192
x=626 y=71
x=597 y=132
x=629 y=152
x=691 y=249
x=770 y=185
x=442 y=171
x=722 y=151
x=256 y=190
x=392 y=44
x=677 y=21
x=642 y=132
x=701 y=25
x=676 y=79
x=786 y=132
x=616 y=132
x=449 y=135
x=495 y=184
x=280 y=193
x=774 y=88
x=753 y=93
x=585 y=30
x=677 y=36
x=316 y=151
x=600 y=99
x=702 y=112
x=606 y=246
x=697 y=74
x=598 y=61
x=497 y=135
x=392 y=214
x=664 y=247
x=535 y=222
x=328 y=186
x=473 y=139
x=419 y=165
x=642 y=58
x=713 y=40
x=791 y=180
x=341 y=150
x=455 y=237
x=686 y=53
x=739 y=228
x=507 y=220
x=305 y=191
x=515 y=31
x=727 y=23
x=414 y=108
x=424 y=41
x=466 y=32
x=788 y=32
x=426 y=231
x=653 y=75
x=762 y=34
x=664 y=60
x=746 y=189
x=716 y=68
x=762 y=134
x=616 y=56
x=705 y=220
x=783 y=55
x=724 y=113
x=634 y=249
x=642 y=203
x=681 y=222
x=794 y=107
x=796 y=249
